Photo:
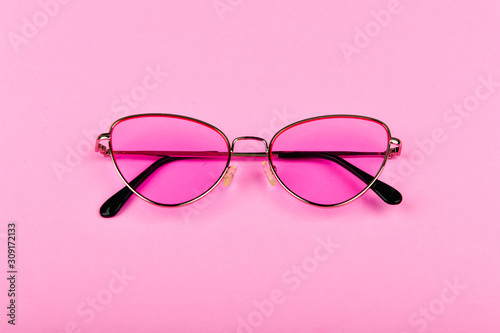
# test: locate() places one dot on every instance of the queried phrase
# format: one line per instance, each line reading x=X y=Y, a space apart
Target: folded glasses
x=172 y=160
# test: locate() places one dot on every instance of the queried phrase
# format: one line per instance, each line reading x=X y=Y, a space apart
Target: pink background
x=430 y=264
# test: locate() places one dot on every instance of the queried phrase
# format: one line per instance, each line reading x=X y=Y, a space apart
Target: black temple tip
x=387 y=193
x=113 y=205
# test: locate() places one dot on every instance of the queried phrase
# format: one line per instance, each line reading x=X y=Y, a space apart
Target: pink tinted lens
x=168 y=159
x=317 y=159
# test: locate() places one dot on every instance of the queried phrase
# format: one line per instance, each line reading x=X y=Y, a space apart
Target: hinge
x=395 y=147
x=100 y=148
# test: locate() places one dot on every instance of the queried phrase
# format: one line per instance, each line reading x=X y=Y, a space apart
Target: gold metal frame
x=393 y=149
x=107 y=136
x=392 y=152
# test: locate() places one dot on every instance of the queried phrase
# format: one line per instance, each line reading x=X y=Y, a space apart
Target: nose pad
x=269 y=174
x=228 y=177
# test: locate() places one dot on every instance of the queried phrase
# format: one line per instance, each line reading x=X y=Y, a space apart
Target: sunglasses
x=171 y=160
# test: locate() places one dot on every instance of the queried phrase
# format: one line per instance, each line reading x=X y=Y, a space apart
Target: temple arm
x=386 y=192
x=113 y=205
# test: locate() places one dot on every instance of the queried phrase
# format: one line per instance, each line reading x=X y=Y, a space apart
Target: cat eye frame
x=172 y=160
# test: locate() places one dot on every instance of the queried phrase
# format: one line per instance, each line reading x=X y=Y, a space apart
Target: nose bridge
x=228 y=177
x=250 y=138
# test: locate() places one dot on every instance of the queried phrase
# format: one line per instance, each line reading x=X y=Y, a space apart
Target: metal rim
x=169 y=116
x=272 y=167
